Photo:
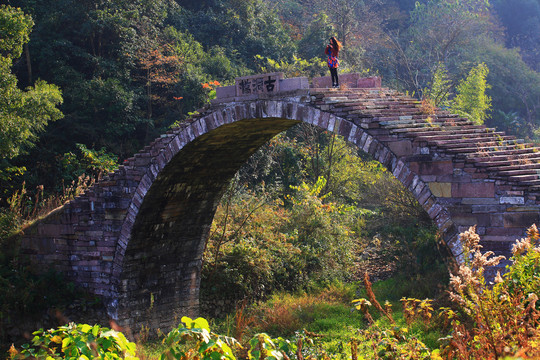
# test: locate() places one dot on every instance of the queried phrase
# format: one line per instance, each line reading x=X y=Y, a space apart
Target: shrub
x=77 y=341
x=503 y=320
x=256 y=248
x=193 y=340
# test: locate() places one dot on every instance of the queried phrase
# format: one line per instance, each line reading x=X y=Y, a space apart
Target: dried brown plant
x=505 y=320
x=373 y=299
x=427 y=106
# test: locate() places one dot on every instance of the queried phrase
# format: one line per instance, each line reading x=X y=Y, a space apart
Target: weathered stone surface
x=294 y=84
x=439 y=189
x=432 y=167
x=514 y=200
x=521 y=219
x=258 y=84
x=478 y=190
x=348 y=80
x=401 y=148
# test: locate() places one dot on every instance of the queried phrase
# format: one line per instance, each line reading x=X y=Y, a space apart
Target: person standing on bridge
x=332 y=50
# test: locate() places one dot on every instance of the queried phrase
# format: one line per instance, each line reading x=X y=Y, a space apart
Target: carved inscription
x=258 y=84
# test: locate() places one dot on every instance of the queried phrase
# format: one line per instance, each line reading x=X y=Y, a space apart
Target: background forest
x=86 y=84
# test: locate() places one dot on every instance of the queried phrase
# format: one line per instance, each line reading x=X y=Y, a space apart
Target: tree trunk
x=28 y=63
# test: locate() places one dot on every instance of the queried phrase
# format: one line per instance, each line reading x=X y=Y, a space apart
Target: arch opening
x=161 y=267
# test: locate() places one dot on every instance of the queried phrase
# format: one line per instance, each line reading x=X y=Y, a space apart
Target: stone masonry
x=136 y=238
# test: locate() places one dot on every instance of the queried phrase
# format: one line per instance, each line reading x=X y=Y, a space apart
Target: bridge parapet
x=265 y=86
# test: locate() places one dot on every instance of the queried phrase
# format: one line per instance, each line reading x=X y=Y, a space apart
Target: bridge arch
x=159 y=253
x=137 y=237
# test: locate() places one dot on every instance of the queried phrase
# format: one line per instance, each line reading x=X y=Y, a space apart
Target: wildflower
x=532 y=233
x=12 y=352
x=521 y=246
x=482 y=260
x=471 y=239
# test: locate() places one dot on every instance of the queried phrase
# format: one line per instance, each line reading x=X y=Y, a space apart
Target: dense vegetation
x=485 y=322
x=85 y=84
x=271 y=234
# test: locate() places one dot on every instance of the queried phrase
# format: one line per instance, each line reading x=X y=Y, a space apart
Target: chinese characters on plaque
x=258 y=84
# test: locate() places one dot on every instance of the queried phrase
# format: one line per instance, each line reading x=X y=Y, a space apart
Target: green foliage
x=263 y=347
x=15 y=29
x=321 y=232
x=23 y=114
x=194 y=340
x=9 y=224
x=10 y=178
x=521 y=19
x=252 y=28
x=523 y=275
x=515 y=88
x=392 y=343
x=88 y=162
x=78 y=341
x=503 y=320
x=336 y=204
x=497 y=321
x=258 y=247
x=298 y=67
x=471 y=99
x=315 y=38
x=440 y=87
x=25 y=293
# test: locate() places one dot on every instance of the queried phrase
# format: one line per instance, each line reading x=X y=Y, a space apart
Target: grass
x=329 y=313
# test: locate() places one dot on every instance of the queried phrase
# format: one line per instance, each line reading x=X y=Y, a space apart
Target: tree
x=440 y=87
x=252 y=28
x=23 y=114
x=440 y=32
x=521 y=19
x=471 y=99
x=312 y=43
x=515 y=88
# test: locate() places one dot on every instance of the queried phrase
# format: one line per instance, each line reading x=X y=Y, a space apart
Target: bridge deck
x=387 y=111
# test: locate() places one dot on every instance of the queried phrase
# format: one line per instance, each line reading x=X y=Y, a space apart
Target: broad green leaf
x=85 y=328
x=202 y=323
x=65 y=343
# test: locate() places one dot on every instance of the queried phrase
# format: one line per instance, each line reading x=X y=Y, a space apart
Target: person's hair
x=335 y=43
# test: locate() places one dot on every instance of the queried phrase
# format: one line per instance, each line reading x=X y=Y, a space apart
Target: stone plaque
x=258 y=84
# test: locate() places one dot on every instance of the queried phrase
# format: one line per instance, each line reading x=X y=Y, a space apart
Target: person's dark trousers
x=335 y=81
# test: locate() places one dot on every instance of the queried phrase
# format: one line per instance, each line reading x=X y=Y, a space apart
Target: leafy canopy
x=23 y=114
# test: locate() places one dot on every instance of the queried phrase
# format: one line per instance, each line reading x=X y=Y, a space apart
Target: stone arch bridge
x=136 y=238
